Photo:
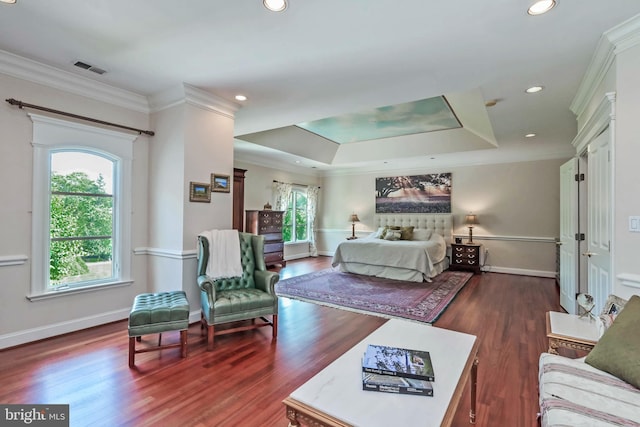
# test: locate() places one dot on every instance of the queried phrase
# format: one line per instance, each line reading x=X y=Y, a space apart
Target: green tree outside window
x=295 y=218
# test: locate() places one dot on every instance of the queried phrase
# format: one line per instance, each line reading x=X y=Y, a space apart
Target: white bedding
x=411 y=260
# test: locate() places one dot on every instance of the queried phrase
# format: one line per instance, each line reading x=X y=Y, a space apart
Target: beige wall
x=191 y=142
x=517 y=205
x=20 y=319
x=258 y=190
x=626 y=155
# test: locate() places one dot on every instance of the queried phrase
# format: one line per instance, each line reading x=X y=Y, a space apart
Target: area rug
x=422 y=302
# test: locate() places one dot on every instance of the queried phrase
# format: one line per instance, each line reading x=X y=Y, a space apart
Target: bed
x=408 y=260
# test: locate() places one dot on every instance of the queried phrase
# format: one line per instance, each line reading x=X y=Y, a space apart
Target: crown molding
x=36 y=72
x=596 y=123
x=187 y=94
x=612 y=42
x=272 y=164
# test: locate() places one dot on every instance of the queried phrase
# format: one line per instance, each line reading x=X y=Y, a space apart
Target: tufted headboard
x=439 y=223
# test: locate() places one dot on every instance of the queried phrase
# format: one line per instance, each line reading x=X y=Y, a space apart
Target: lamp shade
x=471 y=220
x=354 y=218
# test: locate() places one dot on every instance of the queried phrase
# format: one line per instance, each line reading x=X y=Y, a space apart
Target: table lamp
x=470 y=220
x=353 y=218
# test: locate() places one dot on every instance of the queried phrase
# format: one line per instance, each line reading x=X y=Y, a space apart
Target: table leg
x=474 y=384
x=292 y=417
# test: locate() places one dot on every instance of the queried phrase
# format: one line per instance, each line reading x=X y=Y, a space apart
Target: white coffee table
x=334 y=397
x=571 y=331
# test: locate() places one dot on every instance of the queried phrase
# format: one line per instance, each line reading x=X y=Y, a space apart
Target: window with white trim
x=81 y=207
x=294 y=227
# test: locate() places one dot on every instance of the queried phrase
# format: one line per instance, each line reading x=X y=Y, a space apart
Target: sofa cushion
x=617 y=350
x=573 y=393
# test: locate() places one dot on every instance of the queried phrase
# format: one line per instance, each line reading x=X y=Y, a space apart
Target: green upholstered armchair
x=249 y=297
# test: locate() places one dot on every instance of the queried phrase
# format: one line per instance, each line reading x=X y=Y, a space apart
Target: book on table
x=393 y=384
x=400 y=362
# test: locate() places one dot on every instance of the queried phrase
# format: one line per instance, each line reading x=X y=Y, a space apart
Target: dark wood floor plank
x=245 y=378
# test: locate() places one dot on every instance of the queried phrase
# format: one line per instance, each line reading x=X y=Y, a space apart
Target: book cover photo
x=383 y=360
x=392 y=384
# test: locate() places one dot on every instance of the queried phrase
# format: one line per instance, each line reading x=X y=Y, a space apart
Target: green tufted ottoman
x=156 y=313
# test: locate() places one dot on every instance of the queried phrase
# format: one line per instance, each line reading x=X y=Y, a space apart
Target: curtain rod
x=22 y=105
x=293 y=183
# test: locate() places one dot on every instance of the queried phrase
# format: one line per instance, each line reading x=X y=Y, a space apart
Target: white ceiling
x=324 y=58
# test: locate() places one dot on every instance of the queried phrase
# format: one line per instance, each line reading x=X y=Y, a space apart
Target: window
x=295 y=217
x=81 y=207
x=81 y=223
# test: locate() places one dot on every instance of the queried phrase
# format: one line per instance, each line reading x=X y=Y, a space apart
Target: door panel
x=568 y=231
x=598 y=253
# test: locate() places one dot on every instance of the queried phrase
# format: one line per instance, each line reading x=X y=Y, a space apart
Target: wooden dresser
x=466 y=257
x=269 y=225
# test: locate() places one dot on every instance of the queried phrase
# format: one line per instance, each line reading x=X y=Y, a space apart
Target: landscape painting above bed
x=429 y=193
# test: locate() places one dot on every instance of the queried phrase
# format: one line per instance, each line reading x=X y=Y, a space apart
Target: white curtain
x=312 y=205
x=282 y=194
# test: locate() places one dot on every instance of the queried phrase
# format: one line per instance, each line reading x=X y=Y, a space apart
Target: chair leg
x=275 y=325
x=183 y=343
x=202 y=323
x=132 y=351
x=159 y=339
x=210 y=338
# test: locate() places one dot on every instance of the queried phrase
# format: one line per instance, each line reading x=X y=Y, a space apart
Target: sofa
x=601 y=389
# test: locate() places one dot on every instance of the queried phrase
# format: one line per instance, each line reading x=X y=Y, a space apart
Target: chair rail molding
x=13 y=260
x=166 y=253
x=628 y=279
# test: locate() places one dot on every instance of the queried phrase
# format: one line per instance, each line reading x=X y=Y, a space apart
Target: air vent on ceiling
x=89 y=67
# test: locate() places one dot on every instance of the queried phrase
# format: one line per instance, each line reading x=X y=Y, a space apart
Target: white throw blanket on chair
x=224 y=253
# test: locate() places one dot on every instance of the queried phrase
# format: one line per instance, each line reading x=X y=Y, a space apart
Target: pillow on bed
x=377 y=234
x=406 y=233
x=392 y=235
x=435 y=237
x=422 y=234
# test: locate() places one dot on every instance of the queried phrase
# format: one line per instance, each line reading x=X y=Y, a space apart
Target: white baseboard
x=496 y=269
x=48 y=331
x=194 y=316
x=519 y=271
x=298 y=256
x=35 y=334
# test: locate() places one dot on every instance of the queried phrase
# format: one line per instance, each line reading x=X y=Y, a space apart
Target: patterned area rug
x=423 y=302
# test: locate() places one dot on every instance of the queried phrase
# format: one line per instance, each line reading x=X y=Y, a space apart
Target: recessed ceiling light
x=534 y=89
x=275 y=5
x=541 y=6
x=8 y=1
x=241 y=98
x=530 y=135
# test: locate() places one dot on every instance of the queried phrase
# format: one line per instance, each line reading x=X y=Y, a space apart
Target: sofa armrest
x=207 y=286
x=266 y=281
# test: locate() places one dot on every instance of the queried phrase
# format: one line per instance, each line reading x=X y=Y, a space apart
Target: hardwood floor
x=244 y=380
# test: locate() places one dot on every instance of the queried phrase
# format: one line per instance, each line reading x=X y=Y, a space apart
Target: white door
x=568 y=230
x=598 y=254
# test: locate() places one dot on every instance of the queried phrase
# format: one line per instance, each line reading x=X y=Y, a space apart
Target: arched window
x=81 y=207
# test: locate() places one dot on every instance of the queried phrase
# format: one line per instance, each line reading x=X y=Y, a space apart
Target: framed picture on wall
x=199 y=192
x=429 y=193
x=220 y=183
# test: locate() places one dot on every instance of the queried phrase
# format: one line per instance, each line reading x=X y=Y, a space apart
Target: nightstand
x=466 y=256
